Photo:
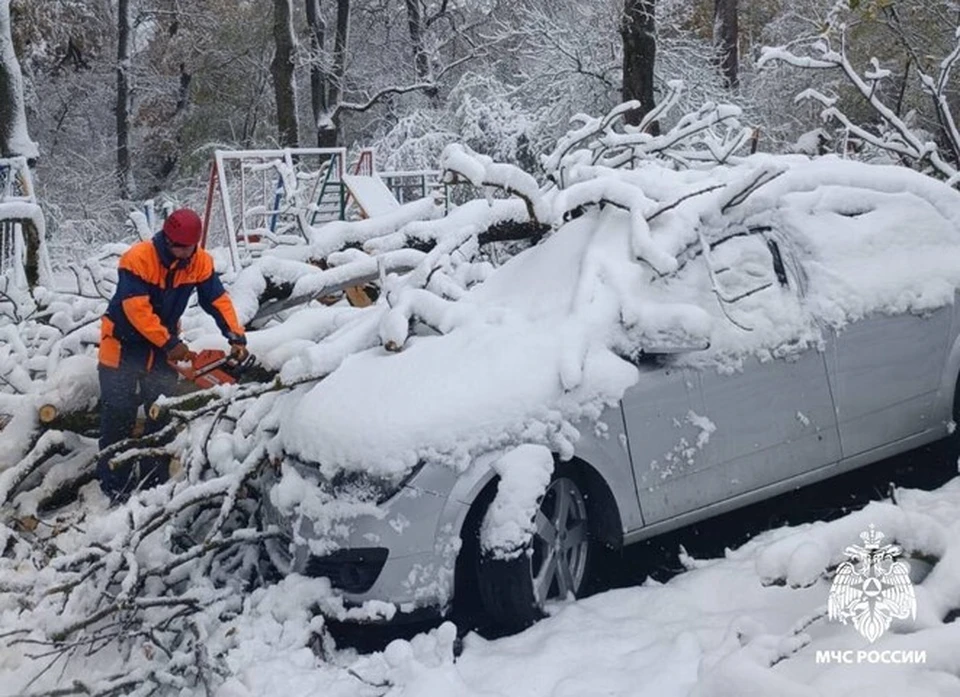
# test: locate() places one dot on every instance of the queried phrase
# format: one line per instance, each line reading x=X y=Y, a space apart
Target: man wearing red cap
x=139 y=334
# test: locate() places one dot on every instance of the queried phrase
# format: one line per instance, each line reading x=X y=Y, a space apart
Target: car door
x=727 y=433
x=663 y=433
x=774 y=420
x=885 y=371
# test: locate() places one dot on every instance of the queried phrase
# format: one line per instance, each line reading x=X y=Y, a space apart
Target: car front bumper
x=404 y=554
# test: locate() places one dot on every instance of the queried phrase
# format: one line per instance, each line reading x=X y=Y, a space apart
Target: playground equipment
x=268 y=196
x=272 y=197
x=367 y=189
x=22 y=252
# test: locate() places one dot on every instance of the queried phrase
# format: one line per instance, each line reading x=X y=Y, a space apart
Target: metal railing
x=412 y=185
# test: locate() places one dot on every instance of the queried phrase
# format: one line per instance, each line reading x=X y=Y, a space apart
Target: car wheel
x=951 y=444
x=939 y=462
x=513 y=592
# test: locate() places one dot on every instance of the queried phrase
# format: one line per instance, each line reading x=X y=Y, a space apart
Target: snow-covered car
x=685 y=343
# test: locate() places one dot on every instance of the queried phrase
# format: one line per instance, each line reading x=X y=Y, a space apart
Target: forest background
x=127 y=99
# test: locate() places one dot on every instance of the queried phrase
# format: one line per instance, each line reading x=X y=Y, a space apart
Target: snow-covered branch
x=902 y=141
x=712 y=133
x=483 y=172
x=377 y=96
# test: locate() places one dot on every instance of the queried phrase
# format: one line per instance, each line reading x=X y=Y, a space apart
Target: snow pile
x=716 y=630
x=539 y=345
x=450 y=357
x=510 y=521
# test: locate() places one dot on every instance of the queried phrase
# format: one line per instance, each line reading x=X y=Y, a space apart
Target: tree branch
x=377 y=96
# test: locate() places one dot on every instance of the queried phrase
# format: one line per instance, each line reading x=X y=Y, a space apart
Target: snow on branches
x=484 y=173
x=157 y=581
x=711 y=134
x=895 y=136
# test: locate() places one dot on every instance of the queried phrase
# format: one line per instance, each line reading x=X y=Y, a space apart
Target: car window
x=746 y=264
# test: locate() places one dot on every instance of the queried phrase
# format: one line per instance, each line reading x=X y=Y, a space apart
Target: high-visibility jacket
x=153 y=289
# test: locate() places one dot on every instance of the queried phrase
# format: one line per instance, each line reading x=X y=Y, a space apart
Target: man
x=139 y=336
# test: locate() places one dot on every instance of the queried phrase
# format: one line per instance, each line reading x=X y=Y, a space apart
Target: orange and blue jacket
x=153 y=289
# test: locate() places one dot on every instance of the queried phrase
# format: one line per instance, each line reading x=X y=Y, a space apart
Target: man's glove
x=238 y=352
x=179 y=353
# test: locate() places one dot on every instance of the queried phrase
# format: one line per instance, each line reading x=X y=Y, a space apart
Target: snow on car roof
x=539 y=345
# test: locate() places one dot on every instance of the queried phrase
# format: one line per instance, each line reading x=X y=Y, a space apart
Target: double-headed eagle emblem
x=872 y=588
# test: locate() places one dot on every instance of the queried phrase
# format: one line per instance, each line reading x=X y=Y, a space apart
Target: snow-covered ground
x=734 y=627
x=456 y=359
x=721 y=629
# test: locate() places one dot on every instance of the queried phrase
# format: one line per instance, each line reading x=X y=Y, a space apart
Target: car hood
x=534 y=357
x=448 y=398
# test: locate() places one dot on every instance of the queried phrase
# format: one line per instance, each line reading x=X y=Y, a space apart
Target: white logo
x=871 y=588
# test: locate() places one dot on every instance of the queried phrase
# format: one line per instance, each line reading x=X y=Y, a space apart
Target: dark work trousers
x=122 y=391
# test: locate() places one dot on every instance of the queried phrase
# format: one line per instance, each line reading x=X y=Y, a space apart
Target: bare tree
x=415 y=27
x=122 y=111
x=282 y=71
x=328 y=130
x=317 y=28
x=638 y=31
x=726 y=35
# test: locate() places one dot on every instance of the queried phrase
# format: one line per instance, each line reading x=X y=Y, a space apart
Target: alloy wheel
x=561 y=542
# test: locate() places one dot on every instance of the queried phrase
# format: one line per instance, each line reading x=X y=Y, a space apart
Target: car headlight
x=355 y=485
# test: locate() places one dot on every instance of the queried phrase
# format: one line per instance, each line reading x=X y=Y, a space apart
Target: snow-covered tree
x=281 y=68
x=14 y=136
x=638 y=31
x=889 y=97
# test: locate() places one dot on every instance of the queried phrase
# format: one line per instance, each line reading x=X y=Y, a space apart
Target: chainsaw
x=212 y=367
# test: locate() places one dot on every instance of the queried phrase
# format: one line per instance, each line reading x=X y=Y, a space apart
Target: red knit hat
x=183 y=227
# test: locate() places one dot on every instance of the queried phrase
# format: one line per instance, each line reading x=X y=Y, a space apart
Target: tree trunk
x=328 y=130
x=282 y=71
x=7 y=112
x=124 y=174
x=14 y=136
x=31 y=240
x=639 y=54
x=415 y=27
x=726 y=35
x=421 y=63
x=318 y=93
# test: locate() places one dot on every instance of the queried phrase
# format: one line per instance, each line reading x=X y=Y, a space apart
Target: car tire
x=554 y=565
x=939 y=462
x=950 y=451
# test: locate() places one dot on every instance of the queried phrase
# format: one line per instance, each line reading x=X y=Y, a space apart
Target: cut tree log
x=47 y=413
x=85 y=422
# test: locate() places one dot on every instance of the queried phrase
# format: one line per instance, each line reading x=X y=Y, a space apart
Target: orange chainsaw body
x=208 y=368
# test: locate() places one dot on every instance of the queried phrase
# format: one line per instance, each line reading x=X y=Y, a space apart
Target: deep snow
x=488 y=359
